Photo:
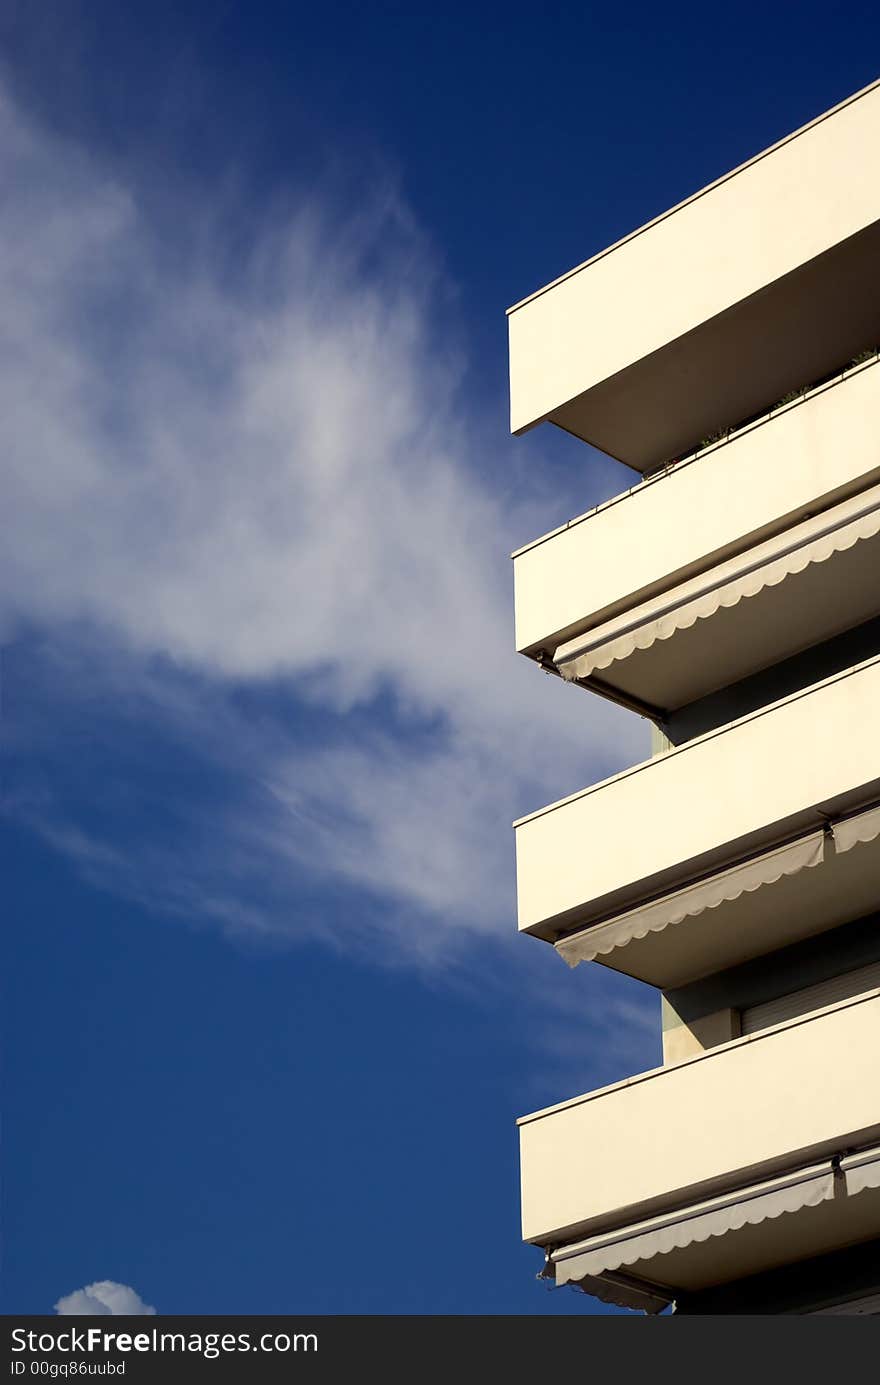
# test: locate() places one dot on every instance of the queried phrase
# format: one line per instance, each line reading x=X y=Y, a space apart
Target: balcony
x=630 y=1187
x=775 y=534
x=757 y=284
x=743 y=841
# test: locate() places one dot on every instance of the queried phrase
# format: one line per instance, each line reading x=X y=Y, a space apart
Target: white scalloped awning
x=634 y=1245
x=725 y=585
x=757 y=905
x=695 y=899
x=627 y=1266
x=863 y=827
x=862 y=1171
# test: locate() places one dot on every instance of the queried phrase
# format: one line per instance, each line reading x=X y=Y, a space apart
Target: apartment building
x=727 y=353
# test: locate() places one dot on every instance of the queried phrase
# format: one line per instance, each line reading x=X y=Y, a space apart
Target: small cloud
x=104 y=1298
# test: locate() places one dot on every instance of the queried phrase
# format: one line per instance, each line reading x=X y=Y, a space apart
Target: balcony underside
x=787 y=335
x=842 y=1283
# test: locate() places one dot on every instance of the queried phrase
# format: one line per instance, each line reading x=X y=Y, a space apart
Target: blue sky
x=267 y=1022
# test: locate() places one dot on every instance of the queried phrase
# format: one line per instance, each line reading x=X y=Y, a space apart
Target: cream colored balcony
x=754 y=1155
x=757 y=285
x=744 y=840
x=774 y=534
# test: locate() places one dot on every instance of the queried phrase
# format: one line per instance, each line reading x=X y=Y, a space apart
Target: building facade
x=728 y=352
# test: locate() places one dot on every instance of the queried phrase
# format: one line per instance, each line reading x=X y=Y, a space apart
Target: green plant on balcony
x=788 y=399
x=713 y=437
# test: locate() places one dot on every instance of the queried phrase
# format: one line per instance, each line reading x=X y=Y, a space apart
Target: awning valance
x=727 y=885
x=748 y=1207
x=725 y=585
x=848 y=887
x=622 y=1266
x=861 y=1171
x=862 y=827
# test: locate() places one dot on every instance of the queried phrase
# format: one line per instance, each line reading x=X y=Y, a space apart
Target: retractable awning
x=854 y=831
x=665 y=651
x=753 y=906
x=657 y=1257
x=694 y=900
x=862 y=1171
x=713 y=1218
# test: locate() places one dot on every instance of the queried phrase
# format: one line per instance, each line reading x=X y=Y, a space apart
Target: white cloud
x=268 y=474
x=104 y=1297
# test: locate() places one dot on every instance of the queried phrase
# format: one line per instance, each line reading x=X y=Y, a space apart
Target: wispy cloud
x=254 y=522
x=104 y=1297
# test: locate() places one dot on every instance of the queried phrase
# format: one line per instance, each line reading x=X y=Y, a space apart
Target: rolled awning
x=725 y=585
x=644 y=1241
x=727 y=885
